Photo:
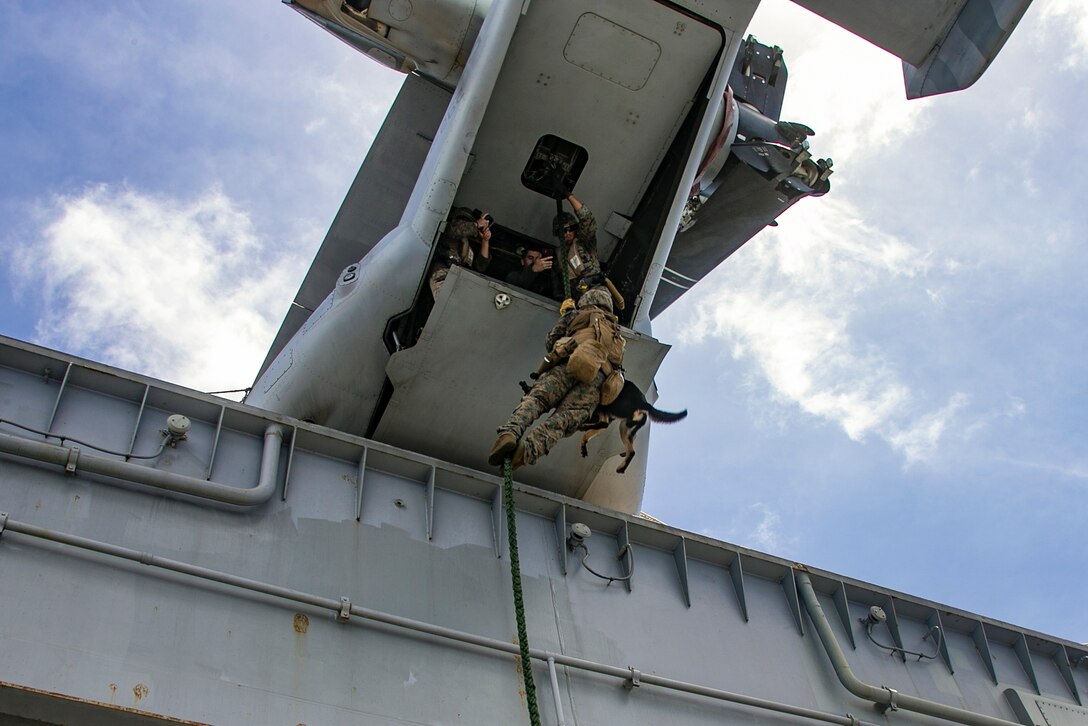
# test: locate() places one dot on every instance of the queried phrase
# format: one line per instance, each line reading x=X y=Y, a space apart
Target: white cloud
x=1077 y=470
x=765 y=534
x=344 y=104
x=848 y=90
x=794 y=302
x=919 y=441
x=345 y=111
x=788 y=303
x=1014 y=408
x=1070 y=16
x=178 y=289
x=757 y=525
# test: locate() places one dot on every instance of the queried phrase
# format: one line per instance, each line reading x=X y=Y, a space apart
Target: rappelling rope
x=519 y=600
x=563 y=249
x=512 y=530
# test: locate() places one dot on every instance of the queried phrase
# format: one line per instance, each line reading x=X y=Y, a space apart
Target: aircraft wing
x=375 y=201
x=945 y=45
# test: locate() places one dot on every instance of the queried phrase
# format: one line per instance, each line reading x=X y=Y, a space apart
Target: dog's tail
x=665 y=416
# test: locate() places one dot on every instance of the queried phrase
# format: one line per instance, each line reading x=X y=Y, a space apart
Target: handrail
x=73 y=459
x=343 y=608
x=884 y=697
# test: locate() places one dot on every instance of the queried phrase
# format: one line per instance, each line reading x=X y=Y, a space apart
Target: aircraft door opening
x=554 y=166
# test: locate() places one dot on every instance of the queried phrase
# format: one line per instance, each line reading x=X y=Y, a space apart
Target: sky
x=890 y=385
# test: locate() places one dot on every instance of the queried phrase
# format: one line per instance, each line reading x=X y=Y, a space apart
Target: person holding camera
x=536 y=273
x=466 y=241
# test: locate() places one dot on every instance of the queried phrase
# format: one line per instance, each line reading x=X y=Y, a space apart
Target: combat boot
x=503 y=447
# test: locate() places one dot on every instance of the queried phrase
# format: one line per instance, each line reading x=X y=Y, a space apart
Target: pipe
x=560 y=721
x=445 y=163
x=342 y=608
x=882 y=696
x=73 y=459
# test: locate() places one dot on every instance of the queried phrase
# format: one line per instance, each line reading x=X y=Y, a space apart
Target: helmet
x=596 y=297
x=561 y=222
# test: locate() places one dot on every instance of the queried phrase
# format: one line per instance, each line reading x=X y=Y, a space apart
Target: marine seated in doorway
x=466 y=242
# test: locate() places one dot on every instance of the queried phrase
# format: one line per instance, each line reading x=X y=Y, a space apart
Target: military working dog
x=633 y=410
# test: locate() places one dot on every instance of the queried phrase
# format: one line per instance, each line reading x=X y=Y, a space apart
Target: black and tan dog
x=632 y=409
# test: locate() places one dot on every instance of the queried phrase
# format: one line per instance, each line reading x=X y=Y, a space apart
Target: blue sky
x=890 y=385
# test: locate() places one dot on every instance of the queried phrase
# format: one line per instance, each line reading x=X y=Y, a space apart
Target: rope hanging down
x=512 y=531
x=564 y=252
x=519 y=600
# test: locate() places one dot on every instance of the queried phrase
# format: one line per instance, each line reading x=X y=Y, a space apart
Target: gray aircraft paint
x=333 y=370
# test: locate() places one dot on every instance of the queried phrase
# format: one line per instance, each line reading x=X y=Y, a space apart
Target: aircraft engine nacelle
x=431 y=37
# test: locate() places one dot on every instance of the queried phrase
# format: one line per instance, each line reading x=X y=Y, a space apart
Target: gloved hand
x=558 y=188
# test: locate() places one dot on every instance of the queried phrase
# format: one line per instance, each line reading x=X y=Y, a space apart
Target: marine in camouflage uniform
x=579 y=235
x=465 y=229
x=573 y=400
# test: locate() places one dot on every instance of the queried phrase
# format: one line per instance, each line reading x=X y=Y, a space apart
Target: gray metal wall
x=419 y=539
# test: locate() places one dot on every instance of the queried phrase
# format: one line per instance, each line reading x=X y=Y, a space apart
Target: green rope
x=519 y=600
x=565 y=264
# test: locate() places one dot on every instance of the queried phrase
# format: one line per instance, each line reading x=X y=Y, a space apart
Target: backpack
x=599 y=348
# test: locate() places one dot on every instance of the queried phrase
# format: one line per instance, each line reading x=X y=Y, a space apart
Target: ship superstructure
x=167 y=556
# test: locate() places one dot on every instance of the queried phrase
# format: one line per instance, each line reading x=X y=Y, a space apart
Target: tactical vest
x=599 y=348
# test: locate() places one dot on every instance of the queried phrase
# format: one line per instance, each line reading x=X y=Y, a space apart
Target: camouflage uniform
x=457 y=240
x=582 y=258
x=572 y=400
